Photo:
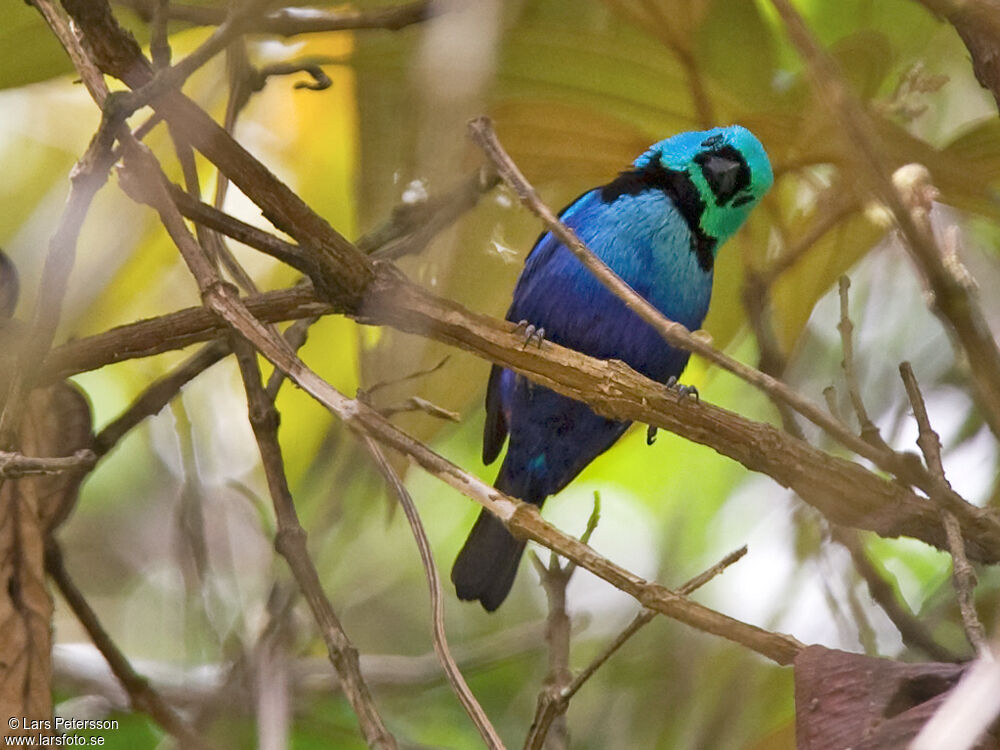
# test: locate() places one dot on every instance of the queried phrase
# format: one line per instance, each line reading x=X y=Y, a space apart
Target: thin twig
x=373 y=389
x=416 y=403
x=441 y=648
x=295 y=335
x=141 y=694
x=549 y=725
x=173 y=78
x=963 y=573
x=645 y=616
x=911 y=629
x=14 y=465
x=869 y=432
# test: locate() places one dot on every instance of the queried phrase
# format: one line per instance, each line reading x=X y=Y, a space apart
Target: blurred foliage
x=577 y=90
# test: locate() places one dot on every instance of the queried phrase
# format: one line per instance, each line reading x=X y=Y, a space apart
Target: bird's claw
x=650 y=435
x=531 y=333
x=683 y=391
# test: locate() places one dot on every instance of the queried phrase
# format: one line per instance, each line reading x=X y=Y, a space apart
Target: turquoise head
x=724 y=173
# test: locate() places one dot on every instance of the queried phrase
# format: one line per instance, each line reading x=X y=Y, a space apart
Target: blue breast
x=645 y=241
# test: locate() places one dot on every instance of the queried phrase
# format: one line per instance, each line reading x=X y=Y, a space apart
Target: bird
x=659 y=225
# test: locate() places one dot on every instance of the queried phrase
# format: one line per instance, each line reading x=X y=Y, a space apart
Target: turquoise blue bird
x=659 y=225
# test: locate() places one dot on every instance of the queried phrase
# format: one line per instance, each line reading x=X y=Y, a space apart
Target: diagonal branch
x=142 y=696
x=842 y=490
x=677 y=335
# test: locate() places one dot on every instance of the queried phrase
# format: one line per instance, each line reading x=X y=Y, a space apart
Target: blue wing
x=646 y=241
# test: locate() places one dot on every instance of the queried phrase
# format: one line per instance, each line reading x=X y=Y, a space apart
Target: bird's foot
x=650 y=435
x=531 y=333
x=683 y=391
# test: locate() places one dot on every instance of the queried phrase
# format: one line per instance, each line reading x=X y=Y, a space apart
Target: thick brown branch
x=844 y=491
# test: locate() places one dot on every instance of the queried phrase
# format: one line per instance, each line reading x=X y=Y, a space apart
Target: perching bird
x=659 y=226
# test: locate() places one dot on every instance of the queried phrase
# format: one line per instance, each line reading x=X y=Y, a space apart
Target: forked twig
x=558 y=702
x=549 y=724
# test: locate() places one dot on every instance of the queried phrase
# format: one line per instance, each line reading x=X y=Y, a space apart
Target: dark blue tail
x=487 y=564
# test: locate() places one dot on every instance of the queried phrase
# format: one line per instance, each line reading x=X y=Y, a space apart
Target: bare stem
x=869 y=431
x=963 y=573
x=441 y=648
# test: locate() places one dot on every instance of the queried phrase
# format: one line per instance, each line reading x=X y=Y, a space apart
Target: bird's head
x=728 y=169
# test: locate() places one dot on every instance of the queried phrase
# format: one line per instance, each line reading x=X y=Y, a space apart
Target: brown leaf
x=57 y=423
x=854 y=701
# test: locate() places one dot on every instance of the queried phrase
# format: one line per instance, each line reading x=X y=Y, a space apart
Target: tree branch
x=290 y=542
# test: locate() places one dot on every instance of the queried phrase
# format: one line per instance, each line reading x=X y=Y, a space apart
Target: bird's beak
x=722 y=175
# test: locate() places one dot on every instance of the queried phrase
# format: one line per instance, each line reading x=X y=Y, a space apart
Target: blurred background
x=172 y=537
